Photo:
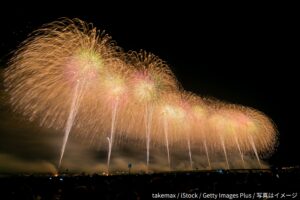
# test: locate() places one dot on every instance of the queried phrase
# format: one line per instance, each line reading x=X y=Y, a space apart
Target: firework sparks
x=150 y=81
x=52 y=76
x=69 y=76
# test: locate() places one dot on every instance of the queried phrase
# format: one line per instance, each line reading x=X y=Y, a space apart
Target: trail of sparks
x=70 y=56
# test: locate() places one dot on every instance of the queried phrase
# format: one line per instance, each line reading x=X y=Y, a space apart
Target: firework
x=242 y=129
x=151 y=80
x=200 y=112
x=53 y=76
x=176 y=119
x=69 y=76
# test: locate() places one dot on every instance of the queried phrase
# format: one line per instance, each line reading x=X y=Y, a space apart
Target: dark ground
x=276 y=184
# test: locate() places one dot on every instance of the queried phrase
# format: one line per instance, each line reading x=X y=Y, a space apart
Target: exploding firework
x=242 y=129
x=151 y=80
x=175 y=119
x=257 y=130
x=114 y=103
x=69 y=76
x=200 y=112
x=53 y=77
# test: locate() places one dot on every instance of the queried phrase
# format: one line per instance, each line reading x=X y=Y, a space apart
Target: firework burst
x=68 y=75
x=52 y=76
x=151 y=79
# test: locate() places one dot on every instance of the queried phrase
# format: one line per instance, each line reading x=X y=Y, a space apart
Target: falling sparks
x=70 y=76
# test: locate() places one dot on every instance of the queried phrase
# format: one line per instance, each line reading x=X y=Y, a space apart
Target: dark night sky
x=245 y=56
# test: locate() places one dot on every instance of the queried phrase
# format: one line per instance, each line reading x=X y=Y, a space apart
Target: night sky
x=245 y=56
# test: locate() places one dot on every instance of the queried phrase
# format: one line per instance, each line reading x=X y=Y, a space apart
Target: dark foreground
x=219 y=184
